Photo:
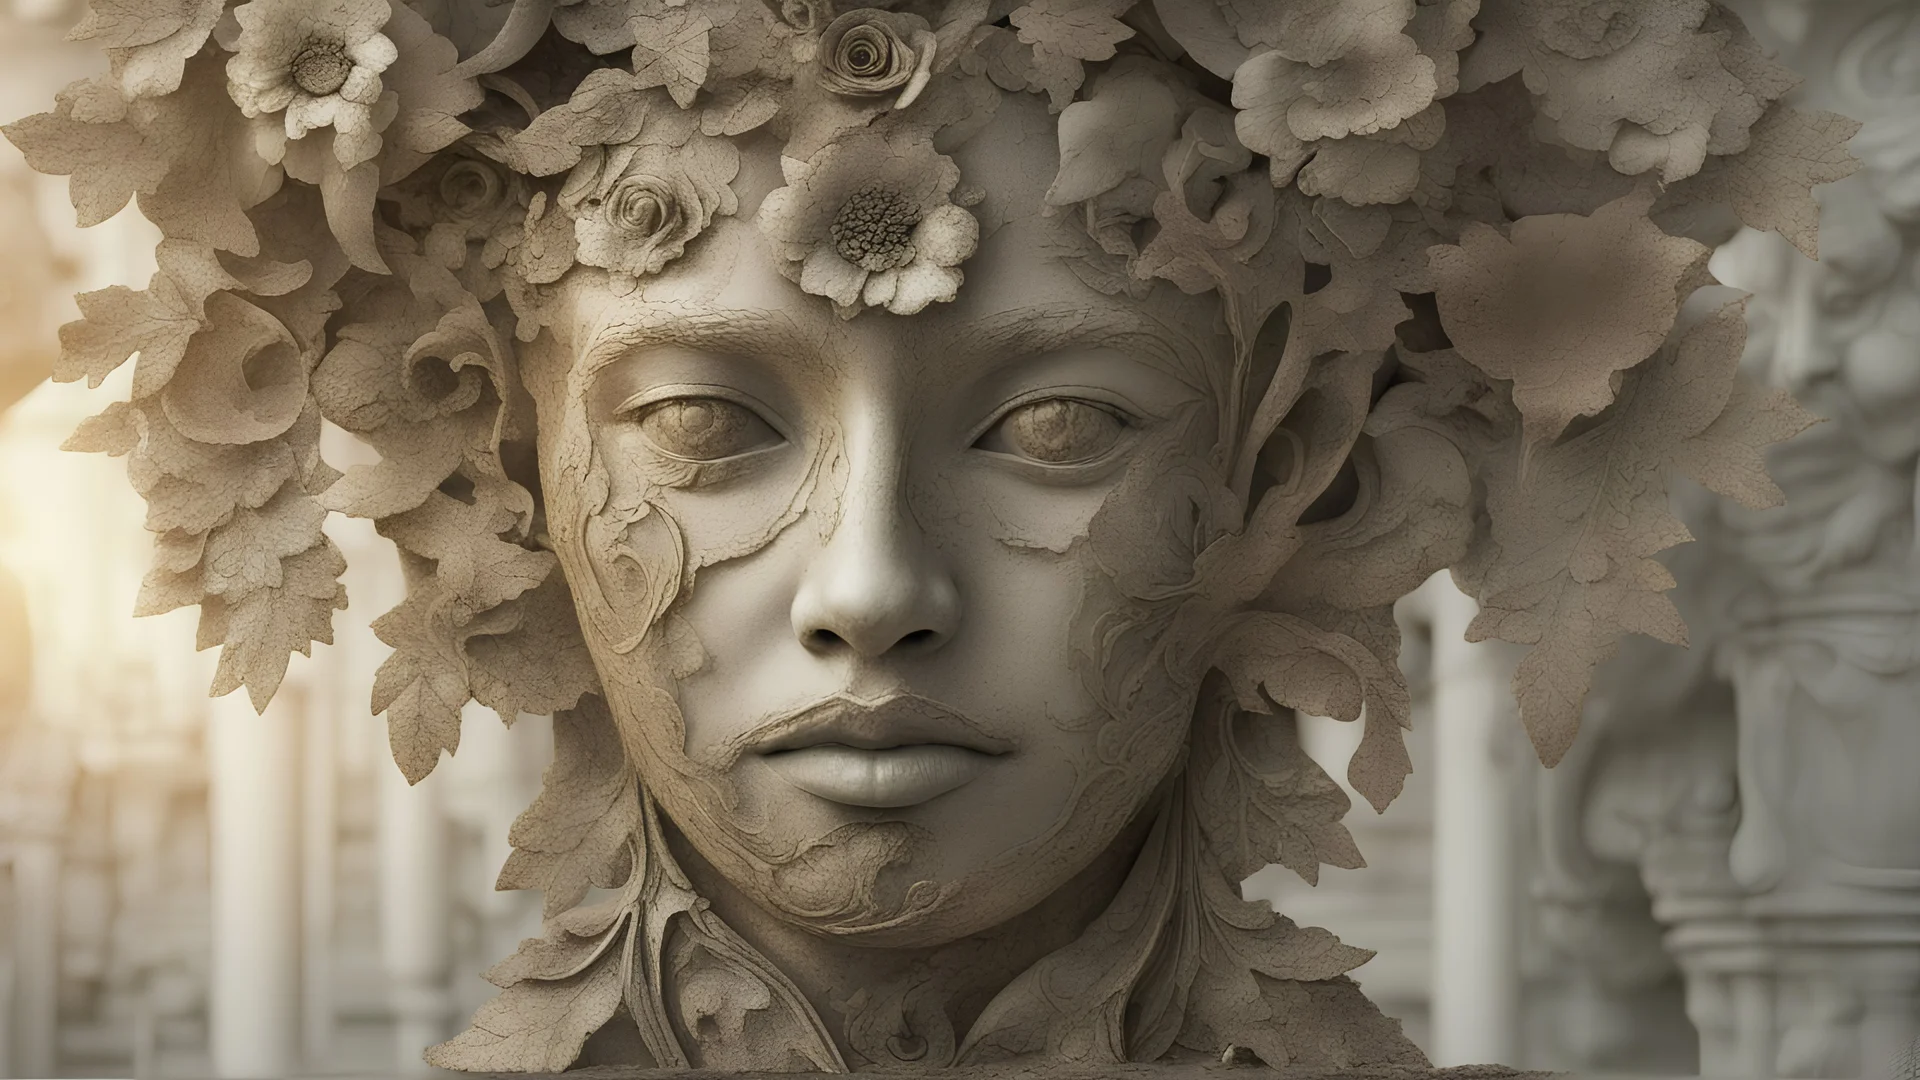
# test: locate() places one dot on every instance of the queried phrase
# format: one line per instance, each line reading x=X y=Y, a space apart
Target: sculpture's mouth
x=898 y=751
x=894 y=777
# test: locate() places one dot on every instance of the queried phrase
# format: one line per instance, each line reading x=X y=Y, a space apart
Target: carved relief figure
x=921 y=453
x=1819 y=598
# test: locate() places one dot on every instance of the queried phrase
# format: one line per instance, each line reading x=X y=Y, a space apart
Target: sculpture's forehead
x=1021 y=285
x=733 y=303
x=1022 y=298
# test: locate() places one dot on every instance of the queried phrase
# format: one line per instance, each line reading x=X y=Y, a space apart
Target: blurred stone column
x=254 y=799
x=415 y=865
x=415 y=914
x=37 y=774
x=1476 y=918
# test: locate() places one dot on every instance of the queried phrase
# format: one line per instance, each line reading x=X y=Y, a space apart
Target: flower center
x=321 y=67
x=469 y=188
x=864 y=52
x=639 y=208
x=874 y=229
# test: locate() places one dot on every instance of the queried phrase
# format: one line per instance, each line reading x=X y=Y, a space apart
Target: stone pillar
x=36 y=880
x=1476 y=967
x=318 y=866
x=415 y=913
x=37 y=773
x=6 y=982
x=254 y=801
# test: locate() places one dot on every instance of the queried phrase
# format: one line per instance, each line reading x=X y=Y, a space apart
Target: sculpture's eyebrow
x=749 y=333
x=1014 y=335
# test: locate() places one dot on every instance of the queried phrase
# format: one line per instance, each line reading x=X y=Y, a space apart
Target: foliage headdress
x=1472 y=233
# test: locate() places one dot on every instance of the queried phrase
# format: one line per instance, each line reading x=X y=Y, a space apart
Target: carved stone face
x=873 y=599
x=1835 y=332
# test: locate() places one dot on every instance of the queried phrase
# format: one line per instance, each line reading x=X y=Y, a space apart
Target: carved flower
x=460 y=198
x=870 y=222
x=1287 y=107
x=319 y=62
x=636 y=207
x=868 y=52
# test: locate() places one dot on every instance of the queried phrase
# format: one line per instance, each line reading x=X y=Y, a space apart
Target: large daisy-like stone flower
x=869 y=222
x=319 y=63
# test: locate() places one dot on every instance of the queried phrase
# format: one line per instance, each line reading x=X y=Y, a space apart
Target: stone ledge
x=1136 y=1071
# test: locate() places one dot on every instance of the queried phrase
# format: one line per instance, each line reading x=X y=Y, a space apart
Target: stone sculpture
x=1760 y=790
x=922 y=453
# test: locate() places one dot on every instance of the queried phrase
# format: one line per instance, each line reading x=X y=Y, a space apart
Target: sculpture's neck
x=905 y=991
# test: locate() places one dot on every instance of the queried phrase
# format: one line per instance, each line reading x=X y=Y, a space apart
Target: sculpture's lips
x=900 y=776
x=898 y=751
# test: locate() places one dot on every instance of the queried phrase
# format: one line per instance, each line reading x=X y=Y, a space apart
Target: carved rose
x=318 y=63
x=871 y=222
x=868 y=52
x=471 y=190
x=636 y=207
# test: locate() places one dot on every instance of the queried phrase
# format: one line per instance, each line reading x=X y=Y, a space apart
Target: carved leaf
x=1272 y=659
x=535 y=1026
x=1770 y=183
x=1562 y=303
x=1656 y=84
x=1263 y=800
x=432 y=94
x=540 y=665
x=577 y=832
x=1570 y=568
x=671 y=50
x=422 y=686
x=212 y=173
x=156 y=323
x=149 y=43
x=608 y=109
x=261 y=628
x=127 y=24
x=1063 y=33
x=476 y=569
x=1120 y=131
x=107 y=162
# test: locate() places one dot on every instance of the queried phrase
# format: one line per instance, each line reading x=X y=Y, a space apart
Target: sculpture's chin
x=895 y=884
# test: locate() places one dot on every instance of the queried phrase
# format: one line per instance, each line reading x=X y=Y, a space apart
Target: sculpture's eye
x=704 y=428
x=1056 y=431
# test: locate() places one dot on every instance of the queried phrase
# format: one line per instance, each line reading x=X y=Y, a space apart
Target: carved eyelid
x=1123 y=407
x=636 y=403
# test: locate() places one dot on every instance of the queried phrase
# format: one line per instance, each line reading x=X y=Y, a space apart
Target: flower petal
x=826 y=274
x=307 y=113
x=362 y=86
x=881 y=288
x=948 y=236
x=924 y=283
x=354 y=147
x=258 y=100
x=376 y=54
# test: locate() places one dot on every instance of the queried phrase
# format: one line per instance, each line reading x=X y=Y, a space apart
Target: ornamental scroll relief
x=922 y=454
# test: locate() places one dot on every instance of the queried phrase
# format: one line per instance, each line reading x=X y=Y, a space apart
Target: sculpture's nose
x=877 y=587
